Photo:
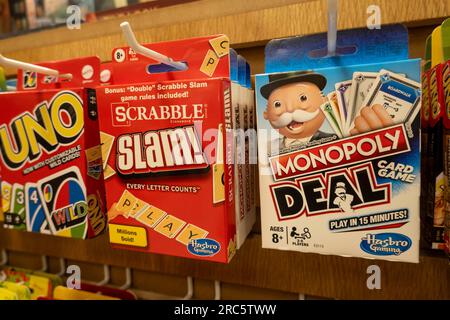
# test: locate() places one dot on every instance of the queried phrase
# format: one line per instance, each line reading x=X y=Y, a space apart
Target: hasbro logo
x=204 y=247
x=385 y=244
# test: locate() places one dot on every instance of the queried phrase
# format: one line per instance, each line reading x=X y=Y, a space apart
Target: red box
x=50 y=153
x=168 y=173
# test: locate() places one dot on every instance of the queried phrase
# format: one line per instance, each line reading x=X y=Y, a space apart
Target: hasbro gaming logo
x=385 y=244
x=204 y=247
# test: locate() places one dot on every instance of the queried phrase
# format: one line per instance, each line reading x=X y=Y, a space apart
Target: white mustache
x=297 y=116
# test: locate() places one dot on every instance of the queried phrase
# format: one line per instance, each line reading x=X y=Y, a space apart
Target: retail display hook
x=11 y=63
x=4 y=258
x=332 y=26
x=138 y=48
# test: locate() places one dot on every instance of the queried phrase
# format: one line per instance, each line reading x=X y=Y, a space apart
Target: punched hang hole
x=67 y=77
x=162 y=68
x=340 y=51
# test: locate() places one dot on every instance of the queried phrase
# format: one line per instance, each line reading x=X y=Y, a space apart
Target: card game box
x=2 y=80
x=51 y=166
x=441 y=48
x=242 y=102
x=425 y=158
x=434 y=215
x=339 y=148
x=168 y=151
x=446 y=147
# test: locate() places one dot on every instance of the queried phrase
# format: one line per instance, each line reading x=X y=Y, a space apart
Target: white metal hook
x=128 y=280
x=7 y=62
x=4 y=260
x=62 y=267
x=217 y=290
x=132 y=42
x=106 y=277
x=190 y=289
x=44 y=261
x=332 y=26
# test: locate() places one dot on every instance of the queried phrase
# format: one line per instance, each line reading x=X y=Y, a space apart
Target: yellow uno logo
x=46 y=129
x=95 y=214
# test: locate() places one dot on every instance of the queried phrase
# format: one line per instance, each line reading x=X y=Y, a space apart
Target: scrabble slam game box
x=339 y=145
x=168 y=148
x=51 y=168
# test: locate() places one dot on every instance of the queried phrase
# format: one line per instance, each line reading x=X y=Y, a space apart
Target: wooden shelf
x=312 y=274
x=245 y=22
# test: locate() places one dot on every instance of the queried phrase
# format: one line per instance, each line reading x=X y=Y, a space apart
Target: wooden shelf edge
x=244 y=28
x=312 y=274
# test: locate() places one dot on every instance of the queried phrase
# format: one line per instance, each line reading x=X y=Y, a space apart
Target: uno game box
x=51 y=166
x=339 y=146
x=167 y=149
x=446 y=87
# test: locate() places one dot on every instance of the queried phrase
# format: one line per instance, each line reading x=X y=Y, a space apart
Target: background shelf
x=313 y=274
x=246 y=23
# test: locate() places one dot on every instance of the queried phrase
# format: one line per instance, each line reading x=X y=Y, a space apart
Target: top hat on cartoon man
x=293 y=104
x=340 y=189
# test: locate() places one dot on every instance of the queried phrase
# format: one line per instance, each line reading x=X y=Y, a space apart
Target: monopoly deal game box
x=168 y=153
x=51 y=168
x=339 y=159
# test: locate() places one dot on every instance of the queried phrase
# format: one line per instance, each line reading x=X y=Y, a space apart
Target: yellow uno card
x=6 y=196
x=170 y=226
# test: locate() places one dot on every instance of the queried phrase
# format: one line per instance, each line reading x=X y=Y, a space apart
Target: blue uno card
x=35 y=213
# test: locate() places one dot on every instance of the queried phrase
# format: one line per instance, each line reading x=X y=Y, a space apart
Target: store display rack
x=313 y=274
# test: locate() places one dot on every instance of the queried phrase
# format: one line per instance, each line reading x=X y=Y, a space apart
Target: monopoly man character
x=293 y=108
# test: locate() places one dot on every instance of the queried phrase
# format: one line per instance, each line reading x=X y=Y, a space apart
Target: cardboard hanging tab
x=197 y=53
x=85 y=73
x=356 y=46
